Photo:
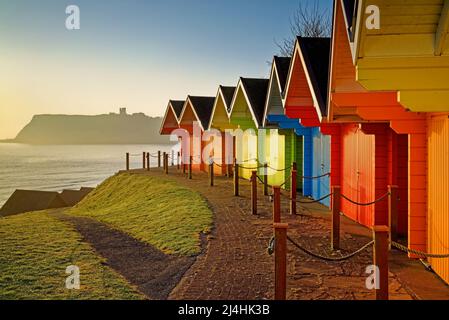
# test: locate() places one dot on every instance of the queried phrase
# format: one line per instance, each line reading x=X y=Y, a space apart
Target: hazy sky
x=136 y=54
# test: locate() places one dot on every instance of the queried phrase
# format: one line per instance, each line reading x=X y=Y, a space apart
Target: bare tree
x=309 y=20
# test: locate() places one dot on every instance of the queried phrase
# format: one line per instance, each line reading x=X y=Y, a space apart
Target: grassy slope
x=35 y=250
x=150 y=209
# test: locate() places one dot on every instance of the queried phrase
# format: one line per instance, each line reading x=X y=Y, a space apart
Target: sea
x=58 y=167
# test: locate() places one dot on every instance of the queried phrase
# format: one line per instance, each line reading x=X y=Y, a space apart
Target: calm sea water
x=54 y=168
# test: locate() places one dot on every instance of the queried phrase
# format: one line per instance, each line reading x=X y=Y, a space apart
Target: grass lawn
x=36 y=249
x=151 y=209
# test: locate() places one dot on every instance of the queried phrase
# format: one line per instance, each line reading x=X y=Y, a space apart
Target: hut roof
x=256 y=91
x=202 y=107
x=177 y=106
x=27 y=200
x=315 y=52
x=282 y=66
x=228 y=94
x=72 y=197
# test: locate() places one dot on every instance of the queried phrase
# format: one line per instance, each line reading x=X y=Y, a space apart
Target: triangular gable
x=253 y=93
x=197 y=109
x=170 y=121
x=222 y=105
x=278 y=78
x=306 y=89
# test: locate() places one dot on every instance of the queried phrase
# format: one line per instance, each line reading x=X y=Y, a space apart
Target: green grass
x=36 y=249
x=151 y=209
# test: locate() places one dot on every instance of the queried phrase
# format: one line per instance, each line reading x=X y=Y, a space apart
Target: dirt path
x=154 y=273
x=236 y=264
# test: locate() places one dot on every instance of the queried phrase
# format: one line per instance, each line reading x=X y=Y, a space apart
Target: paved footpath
x=235 y=263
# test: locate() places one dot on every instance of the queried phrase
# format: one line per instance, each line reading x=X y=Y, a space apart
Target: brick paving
x=235 y=263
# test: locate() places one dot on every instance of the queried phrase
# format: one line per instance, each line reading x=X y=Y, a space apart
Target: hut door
x=325 y=167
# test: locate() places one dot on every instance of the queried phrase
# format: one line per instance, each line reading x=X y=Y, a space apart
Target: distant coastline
x=113 y=128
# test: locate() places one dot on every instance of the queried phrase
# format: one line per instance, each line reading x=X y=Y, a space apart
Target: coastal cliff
x=99 y=129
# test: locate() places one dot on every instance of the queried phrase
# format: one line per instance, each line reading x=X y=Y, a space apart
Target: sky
x=136 y=54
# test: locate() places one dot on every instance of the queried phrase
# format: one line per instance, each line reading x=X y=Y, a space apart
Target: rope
x=248 y=168
x=315 y=201
x=366 y=204
x=278 y=170
x=318 y=177
x=218 y=165
x=418 y=253
x=249 y=160
x=329 y=258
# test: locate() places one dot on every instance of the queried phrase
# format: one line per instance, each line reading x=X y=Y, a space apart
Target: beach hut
x=305 y=101
x=194 y=119
x=409 y=55
x=289 y=130
x=372 y=154
x=246 y=114
x=170 y=122
x=220 y=121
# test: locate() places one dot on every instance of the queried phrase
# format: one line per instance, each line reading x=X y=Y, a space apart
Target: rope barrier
x=330 y=258
x=317 y=177
x=315 y=201
x=249 y=160
x=278 y=170
x=366 y=204
x=219 y=165
x=418 y=253
x=247 y=168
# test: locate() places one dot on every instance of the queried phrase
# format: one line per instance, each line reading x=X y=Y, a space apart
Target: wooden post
x=293 y=192
x=148 y=161
x=173 y=158
x=295 y=166
x=190 y=167
x=144 y=156
x=335 y=232
x=276 y=204
x=177 y=159
x=393 y=212
x=254 y=192
x=229 y=170
x=211 y=173
x=184 y=168
x=265 y=179
x=159 y=159
x=127 y=161
x=236 y=178
x=166 y=163
x=163 y=161
x=280 y=261
x=380 y=259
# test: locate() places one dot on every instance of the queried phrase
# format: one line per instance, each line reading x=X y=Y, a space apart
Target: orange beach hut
x=195 y=118
x=409 y=57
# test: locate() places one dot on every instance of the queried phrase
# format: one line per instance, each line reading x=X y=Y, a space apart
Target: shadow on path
x=153 y=272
